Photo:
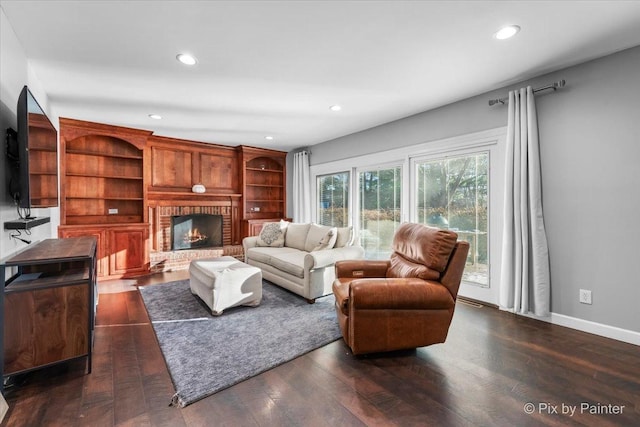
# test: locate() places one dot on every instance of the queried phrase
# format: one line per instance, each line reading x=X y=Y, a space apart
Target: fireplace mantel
x=164 y=197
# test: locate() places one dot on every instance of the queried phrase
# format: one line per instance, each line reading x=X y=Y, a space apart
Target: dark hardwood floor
x=492 y=369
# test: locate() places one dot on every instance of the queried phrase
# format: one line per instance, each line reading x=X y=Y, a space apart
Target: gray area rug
x=206 y=353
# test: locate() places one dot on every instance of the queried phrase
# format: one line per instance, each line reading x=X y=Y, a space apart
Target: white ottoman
x=225 y=282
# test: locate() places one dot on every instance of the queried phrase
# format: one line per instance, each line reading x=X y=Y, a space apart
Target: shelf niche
x=104 y=181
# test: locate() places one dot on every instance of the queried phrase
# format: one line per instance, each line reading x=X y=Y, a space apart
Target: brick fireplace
x=163 y=258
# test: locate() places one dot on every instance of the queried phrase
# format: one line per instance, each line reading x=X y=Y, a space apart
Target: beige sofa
x=300 y=257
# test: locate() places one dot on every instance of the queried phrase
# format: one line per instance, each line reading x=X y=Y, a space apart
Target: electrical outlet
x=585 y=296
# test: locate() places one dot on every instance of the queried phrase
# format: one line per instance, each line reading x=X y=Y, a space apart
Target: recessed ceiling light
x=187 y=59
x=268 y=138
x=507 y=32
x=335 y=108
x=155 y=116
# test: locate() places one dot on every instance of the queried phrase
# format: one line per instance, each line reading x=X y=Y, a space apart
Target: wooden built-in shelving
x=103 y=193
x=264 y=181
x=103 y=180
x=116 y=181
x=43 y=162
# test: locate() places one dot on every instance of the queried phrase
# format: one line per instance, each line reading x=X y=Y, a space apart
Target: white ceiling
x=275 y=67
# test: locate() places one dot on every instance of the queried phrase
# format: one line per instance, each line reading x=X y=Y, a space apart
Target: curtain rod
x=554 y=86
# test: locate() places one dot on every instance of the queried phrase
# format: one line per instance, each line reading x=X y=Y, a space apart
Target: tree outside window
x=452 y=193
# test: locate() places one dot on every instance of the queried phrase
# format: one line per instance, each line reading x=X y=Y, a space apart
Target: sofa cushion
x=424 y=245
x=315 y=236
x=296 y=236
x=272 y=234
x=291 y=262
x=264 y=254
x=345 y=235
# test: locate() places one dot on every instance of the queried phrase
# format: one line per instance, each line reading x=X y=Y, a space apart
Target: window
x=452 y=193
x=333 y=199
x=380 y=195
x=455 y=183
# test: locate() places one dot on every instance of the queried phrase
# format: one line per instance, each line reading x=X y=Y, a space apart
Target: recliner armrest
x=358 y=269
x=403 y=294
x=341 y=294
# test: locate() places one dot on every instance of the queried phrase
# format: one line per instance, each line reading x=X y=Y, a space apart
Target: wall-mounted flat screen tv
x=33 y=156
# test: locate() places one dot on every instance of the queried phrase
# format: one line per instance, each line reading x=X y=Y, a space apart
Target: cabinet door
x=102 y=254
x=255 y=228
x=128 y=251
x=45 y=326
x=171 y=169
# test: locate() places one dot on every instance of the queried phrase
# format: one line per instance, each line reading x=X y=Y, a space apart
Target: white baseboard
x=600 y=329
x=607 y=331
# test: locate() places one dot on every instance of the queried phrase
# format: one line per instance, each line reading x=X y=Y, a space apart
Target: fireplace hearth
x=195 y=231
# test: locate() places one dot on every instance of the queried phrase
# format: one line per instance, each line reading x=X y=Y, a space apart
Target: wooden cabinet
x=128 y=251
x=176 y=165
x=103 y=193
x=49 y=305
x=122 y=250
x=263 y=182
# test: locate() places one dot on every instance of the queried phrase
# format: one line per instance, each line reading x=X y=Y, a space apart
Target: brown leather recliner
x=407 y=301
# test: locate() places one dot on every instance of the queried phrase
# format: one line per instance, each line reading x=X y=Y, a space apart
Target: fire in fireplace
x=196 y=231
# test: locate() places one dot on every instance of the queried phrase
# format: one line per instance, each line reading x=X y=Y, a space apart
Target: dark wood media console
x=48 y=305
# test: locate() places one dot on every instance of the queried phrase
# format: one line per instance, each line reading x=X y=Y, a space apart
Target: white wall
x=15 y=72
x=590 y=152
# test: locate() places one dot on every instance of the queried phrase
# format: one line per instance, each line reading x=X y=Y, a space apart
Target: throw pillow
x=272 y=234
x=316 y=234
x=328 y=241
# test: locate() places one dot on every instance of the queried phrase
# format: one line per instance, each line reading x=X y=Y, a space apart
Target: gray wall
x=590 y=153
x=14 y=74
